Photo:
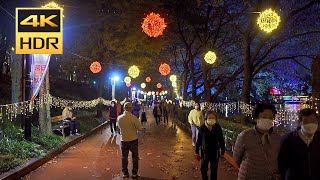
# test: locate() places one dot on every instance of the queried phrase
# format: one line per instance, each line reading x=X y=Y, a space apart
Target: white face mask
x=310 y=128
x=211 y=121
x=264 y=124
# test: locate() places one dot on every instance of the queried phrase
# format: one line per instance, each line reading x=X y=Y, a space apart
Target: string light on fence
x=210 y=57
x=133 y=71
x=153 y=25
x=127 y=80
x=268 y=20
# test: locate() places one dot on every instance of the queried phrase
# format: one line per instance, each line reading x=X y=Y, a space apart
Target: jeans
x=158 y=118
x=165 y=119
x=195 y=132
x=113 y=126
x=74 y=126
x=125 y=148
x=213 y=168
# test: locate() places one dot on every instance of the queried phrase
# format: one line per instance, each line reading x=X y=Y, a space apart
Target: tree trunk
x=99 y=106
x=207 y=89
x=316 y=83
x=193 y=79
x=44 y=109
x=48 y=112
x=185 y=86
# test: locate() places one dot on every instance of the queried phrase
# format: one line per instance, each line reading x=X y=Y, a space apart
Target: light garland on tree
x=268 y=20
x=153 y=25
x=174 y=84
x=164 y=69
x=133 y=71
x=127 y=80
x=210 y=57
x=173 y=78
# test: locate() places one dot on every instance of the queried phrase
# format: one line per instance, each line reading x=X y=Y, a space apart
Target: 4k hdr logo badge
x=38 y=31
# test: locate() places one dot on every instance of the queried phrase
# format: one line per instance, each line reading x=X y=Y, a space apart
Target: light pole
x=114 y=79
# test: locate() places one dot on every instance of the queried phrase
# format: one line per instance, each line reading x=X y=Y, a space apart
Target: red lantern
x=164 y=69
x=128 y=84
x=153 y=25
x=148 y=79
x=159 y=85
x=95 y=67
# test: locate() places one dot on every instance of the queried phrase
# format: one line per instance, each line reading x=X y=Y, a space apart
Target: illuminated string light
x=268 y=20
x=95 y=67
x=133 y=71
x=164 y=69
x=127 y=80
x=153 y=25
x=210 y=57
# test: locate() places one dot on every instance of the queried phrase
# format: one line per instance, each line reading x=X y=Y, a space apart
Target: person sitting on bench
x=68 y=116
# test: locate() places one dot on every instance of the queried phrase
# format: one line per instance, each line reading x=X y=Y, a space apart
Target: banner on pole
x=39 y=67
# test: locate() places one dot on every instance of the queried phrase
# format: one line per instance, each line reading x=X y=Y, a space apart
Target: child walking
x=211 y=145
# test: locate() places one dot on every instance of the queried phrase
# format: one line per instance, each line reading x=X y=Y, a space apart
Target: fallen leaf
x=85 y=167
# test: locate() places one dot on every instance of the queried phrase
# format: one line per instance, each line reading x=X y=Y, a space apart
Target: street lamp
x=114 y=79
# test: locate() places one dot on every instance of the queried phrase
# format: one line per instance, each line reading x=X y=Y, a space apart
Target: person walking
x=165 y=113
x=157 y=113
x=68 y=116
x=112 y=116
x=196 y=120
x=143 y=117
x=256 y=149
x=299 y=156
x=136 y=109
x=211 y=142
x=129 y=125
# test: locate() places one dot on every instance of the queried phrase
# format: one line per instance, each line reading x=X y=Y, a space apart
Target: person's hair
x=210 y=112
x=114 y=102
x=306 y=112
x=127 y=106
x=69 y=104
x=261 y=107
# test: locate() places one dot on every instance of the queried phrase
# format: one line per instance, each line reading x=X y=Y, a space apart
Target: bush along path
x=165 y=153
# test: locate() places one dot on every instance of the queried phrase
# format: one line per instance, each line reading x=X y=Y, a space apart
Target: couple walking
x=160 y=111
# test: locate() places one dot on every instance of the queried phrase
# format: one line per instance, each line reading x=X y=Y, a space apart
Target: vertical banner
x=39 y=67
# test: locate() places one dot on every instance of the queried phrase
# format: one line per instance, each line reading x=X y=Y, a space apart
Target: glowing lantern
x=153 y=25
x=174 y=84
x=159 y=85
x=268 y=20
x=210 y=57
x=143 y=85
x=128 y=84
x=95 y=67
x=173 y=78
x=133 y=71
x=164 y=69
x=148 y=79
x=127 y=80
x=149 y=93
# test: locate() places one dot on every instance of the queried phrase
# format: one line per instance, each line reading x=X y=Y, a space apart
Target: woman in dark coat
x=136 y=109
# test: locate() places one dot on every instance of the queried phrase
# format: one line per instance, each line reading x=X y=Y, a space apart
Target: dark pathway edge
x=33 y=164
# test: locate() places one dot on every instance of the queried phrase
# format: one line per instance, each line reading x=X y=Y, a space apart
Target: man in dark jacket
x=157 y=112
x=299 y=156
x=113 y=115
x=211 y=142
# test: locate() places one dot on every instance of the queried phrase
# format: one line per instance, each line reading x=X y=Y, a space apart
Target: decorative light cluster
x=268 y=20
x=173 y=78
x=210 y=57
x=143 y=85
x=164 y=69
x=159 y=85
x=133 y=71
x=174 y=84
x=127 y=80
x=148 y=79
x=153 y=25
x=95 y=67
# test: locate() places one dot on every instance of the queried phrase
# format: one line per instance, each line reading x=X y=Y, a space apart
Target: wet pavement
x=165 y=153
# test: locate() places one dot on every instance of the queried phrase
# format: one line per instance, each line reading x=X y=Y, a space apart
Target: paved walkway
x=165 y=153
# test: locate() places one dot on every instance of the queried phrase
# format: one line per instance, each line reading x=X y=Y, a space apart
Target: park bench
x=59 y=125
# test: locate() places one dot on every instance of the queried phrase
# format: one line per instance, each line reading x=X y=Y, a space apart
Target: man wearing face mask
x=196 y=120
x=299 y=156
x=68 y=115
x=212 y=146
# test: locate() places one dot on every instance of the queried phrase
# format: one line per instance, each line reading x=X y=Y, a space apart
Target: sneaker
x=125 y=175
x=71 y=134
x=135 y=176
x=78 y=134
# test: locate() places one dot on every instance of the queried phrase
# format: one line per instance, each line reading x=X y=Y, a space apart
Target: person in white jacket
x=196 y=120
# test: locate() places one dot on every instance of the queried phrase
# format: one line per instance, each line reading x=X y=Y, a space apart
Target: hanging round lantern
x=164 y=69
x=174 y=84
x=143 y=85
x=268 y=20
x=128 y=84
x=153 y=25
x=159 y=85
x=210 y=57
x=148 y=79
x=133 y=71
x=95 y=67
x=173 y=78
x=127 y=80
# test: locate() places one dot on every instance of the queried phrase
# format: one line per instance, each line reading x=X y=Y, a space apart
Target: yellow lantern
x=133 y=71
x=127 y=80
x=174 y=84
x=143 y=85
x=210 y=57
x=268 y=20
x=173 y=78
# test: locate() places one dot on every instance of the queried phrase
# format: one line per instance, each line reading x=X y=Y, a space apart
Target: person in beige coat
x=256 y=149
x=196 y=120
